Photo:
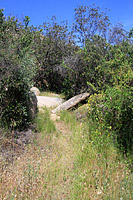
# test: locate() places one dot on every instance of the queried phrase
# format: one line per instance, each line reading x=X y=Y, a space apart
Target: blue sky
x=39 y=10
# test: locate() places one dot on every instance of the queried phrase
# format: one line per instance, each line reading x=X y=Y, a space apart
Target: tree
x=116 y=66
x=131 y=33
x=89 y=21
x=117 y=35
x=55 y=43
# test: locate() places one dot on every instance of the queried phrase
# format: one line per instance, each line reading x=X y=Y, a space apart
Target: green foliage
x=26 y=21
x=113 y=112
x=17 y=68
x=119 y=115
x=113 y=108
x=116 y=67
x=65 y=67
x=15 y=99
x=84 y=65
x=51 y=48
x=89 y=21
x=131 y=33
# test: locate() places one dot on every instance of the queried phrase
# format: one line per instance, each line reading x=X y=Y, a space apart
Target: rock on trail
x=74 y=101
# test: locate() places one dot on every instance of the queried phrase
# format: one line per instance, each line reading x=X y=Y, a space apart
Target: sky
x=121 y=11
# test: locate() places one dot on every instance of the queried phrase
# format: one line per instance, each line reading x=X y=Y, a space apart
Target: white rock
x=35 y=90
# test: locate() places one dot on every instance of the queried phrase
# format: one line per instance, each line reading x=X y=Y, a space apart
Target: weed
x=68 y=118
x=43 y=122
x=80 y=163
x=100 y=172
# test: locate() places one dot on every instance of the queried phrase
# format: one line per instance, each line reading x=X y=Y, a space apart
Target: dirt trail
x=62 y=158
x=48 y=101
x=44 y=171
x=62 y=162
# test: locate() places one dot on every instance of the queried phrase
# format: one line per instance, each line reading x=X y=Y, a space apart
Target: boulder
x=35 y=90
x=32 y=105
x=73 y=102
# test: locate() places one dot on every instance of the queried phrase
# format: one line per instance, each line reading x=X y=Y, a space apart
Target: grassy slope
x=62 y=163
x=99 y=172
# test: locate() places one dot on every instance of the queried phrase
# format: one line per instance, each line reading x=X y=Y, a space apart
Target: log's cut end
x=71 y=103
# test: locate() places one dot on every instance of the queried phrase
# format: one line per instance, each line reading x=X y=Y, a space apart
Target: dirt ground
x=55 y=157
x=48 y=101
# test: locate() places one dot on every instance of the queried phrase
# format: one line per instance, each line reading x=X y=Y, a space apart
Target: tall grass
x=100 y=171
x=82 y=164
x=27 y=176
x=43 y=122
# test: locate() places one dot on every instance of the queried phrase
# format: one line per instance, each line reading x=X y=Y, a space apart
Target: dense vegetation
x=91 y=56
x=17 y=69
x=85 y=158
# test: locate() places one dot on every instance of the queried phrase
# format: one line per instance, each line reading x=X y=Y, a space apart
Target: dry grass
x=62 y=163
x=43 y=171
x=52 y=94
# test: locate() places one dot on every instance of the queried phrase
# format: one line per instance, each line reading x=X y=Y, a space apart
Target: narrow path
x=44 y=171
x=62 y=162
x=59 y=165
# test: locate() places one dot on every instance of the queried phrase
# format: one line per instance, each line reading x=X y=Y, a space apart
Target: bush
x=119 y=115
x=15 y=84
x=113 y=111
x=116 y=66
x=17 y=68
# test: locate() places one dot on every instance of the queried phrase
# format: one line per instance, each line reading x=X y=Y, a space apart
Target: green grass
x=43 y=122
x=100 y=171
x=68 y=118
x=77 y=164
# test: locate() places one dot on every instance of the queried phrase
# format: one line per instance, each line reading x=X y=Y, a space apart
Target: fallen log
x=71 y=103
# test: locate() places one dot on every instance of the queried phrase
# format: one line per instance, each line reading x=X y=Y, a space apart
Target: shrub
x=15 y=84
x=17 y=68
x=116 y=66
x=113 y=111
x=119 y=115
